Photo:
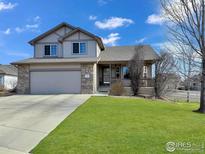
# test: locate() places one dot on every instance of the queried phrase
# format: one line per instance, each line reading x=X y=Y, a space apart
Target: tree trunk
x=188 y=89
x=156 y=83
x=202 y=98
x=187 y=98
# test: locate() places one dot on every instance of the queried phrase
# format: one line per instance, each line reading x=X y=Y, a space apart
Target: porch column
x=110 y=65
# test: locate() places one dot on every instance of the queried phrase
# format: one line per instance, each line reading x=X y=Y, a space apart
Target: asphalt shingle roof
x=125 y=53
x=8 y=69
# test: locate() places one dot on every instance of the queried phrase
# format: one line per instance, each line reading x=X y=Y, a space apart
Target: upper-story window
x=79 y=48
x=50 y=50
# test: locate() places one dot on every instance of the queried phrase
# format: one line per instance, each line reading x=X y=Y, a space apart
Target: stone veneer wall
x=87 y=82
x=23 y=79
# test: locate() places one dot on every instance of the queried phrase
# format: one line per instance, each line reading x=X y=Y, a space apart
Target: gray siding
x=65 y=48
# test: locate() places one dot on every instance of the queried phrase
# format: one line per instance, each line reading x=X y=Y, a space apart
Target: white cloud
x=156 y=19
x=18 y=54
x=175 y=5
x=111 y=39
x=36 y=19
x=28 y=27
x=7 y=31
x=140 y=40
x=7 y=6
x=19 y=30
x=103 y=2
x=32 y=26
x=113 y=22
x=92 y=17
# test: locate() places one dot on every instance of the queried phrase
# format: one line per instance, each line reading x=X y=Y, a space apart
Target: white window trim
x=79 y=48
x=50 y=50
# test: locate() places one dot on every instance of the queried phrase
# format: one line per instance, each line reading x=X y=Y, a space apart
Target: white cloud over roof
x=113 y=22
x=111 y=39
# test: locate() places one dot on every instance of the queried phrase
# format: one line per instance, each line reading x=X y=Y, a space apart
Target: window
x=82 y=48
x=125 y=72
x=79 y=48
x=50 y=50
x=1 y=80
x=116 y=71
x=75 y=47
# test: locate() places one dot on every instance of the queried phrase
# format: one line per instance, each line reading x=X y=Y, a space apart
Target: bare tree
x=164 y=67
x=186 y=24
x=187 y=63
x=136 y=69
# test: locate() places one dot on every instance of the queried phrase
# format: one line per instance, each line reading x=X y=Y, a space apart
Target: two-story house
x=68 y=59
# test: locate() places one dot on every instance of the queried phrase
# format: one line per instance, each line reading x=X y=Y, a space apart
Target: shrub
x=2 y=88
x=117 y=89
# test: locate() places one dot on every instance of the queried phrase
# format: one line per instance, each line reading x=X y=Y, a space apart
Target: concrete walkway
x=26 y=119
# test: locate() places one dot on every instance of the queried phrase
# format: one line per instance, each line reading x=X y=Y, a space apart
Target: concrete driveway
x=27 y=119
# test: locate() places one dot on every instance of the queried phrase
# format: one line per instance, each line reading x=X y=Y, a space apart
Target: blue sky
x=118 y=22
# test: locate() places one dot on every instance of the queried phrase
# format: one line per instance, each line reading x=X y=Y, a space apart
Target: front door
x=106 y=75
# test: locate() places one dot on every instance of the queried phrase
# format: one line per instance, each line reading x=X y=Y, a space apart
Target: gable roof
x=126 y=53
x=73 y=31
x=78 y=29
x=63 y=24
x=8 y=70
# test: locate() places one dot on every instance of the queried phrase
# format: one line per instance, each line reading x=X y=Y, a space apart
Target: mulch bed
x=5 y=93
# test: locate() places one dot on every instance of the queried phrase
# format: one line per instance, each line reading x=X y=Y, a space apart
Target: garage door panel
x=53 y=82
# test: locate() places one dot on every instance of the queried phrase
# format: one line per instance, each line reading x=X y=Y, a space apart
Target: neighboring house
x=194 y=82
x=8 y=77
x=173 y=81
x=68 y=59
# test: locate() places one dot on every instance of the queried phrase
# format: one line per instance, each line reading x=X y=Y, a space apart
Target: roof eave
x=29 y=63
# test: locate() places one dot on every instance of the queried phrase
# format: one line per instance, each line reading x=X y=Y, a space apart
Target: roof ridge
x=127 y=45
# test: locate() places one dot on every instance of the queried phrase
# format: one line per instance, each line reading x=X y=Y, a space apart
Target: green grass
x=122 y=125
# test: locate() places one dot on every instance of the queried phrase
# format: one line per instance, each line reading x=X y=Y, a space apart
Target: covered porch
x=113 y=66
x=109 y=73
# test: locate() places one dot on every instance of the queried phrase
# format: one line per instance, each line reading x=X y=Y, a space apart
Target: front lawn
x=122 y=125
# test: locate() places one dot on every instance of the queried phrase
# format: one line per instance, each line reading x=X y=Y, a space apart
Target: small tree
x=136 y=69
x=163 y=68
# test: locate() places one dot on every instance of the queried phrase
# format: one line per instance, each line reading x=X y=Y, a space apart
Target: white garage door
x=55 y=82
